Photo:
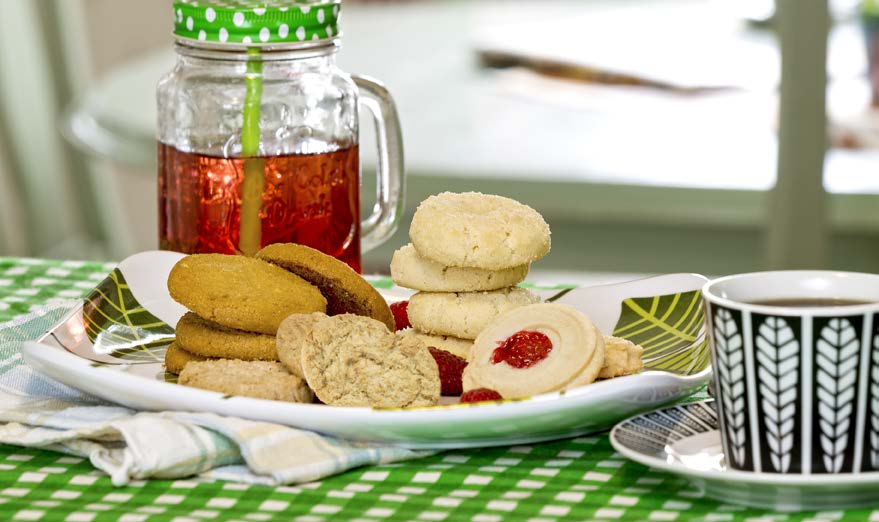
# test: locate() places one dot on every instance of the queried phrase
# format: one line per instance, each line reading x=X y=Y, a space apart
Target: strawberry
x=480 y=395
x=523 y=349
x=401 y=315
x=451 y=369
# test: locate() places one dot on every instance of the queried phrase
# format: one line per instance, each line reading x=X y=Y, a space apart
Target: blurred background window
x=644 y=130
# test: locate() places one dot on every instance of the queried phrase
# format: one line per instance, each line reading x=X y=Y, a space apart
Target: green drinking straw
x=250 y=231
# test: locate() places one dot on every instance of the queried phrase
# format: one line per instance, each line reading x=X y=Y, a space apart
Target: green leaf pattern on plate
x=120 y=327
x=670 y=328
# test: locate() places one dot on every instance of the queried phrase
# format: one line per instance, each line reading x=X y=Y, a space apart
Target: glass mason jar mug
x=258 y=134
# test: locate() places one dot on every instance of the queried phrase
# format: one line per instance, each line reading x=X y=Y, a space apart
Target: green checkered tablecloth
x=577 y=479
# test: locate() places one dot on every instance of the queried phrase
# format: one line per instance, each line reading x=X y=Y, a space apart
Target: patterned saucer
x=684 y=440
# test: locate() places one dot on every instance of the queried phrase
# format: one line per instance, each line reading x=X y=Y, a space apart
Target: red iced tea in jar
x=310 y=199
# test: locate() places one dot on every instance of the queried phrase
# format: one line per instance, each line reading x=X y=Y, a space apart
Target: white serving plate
x=112 y=347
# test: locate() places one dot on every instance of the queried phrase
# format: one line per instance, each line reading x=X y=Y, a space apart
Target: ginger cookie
x=356 y=361
x=534 y=349
x=478 y=231
x=241 y=292
x=346 y=291
x=208 y=339
x=293 y=334
x=176 y=358
x=410 y=270
x=464 y=314
x=257 y=379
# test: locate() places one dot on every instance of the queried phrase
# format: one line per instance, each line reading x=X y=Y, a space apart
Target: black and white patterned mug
x=796 y=370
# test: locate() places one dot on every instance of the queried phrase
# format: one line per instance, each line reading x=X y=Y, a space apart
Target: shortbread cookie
x=410 y=270
x=241 y=292
x=478 y=231
x=464 y=314
x=208 y=339
x=621 y=357
x=592 y=370
x=534 y=349
x=357 y=361
x=453 y=345
x=293 y=334
x=176 y=358
x=258 y=379
x=346 y=291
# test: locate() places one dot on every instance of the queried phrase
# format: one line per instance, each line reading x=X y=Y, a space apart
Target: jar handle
x=391 y=184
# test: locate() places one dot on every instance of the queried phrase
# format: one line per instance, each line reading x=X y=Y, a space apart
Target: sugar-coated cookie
x=241 y=292
x=258 y=379
x=622 y=357
x=356 y=361
x=453 y=345
x=410 y=270
x=478 y=231
x=345 y=290
x=293 y=334
x=534 y=349
x=176 y=358
x=464 y=314
x=207 y=339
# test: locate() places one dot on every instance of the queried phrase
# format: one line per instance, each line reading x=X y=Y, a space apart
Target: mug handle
x=391 y=183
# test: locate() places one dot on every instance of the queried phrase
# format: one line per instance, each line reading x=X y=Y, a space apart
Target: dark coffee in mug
x=809 y=302
x=796 y=380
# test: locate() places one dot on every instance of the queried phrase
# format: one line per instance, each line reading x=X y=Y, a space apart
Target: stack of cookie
x=468 y=253
x=227 y=341
x=236 y=304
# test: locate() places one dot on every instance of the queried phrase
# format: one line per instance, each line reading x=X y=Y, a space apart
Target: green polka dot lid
x=255 y=22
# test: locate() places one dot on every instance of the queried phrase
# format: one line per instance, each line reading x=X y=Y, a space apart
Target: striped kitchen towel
x=36 y=411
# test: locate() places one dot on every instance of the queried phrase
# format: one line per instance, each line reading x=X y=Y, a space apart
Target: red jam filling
x=401 y=315
x=523 y=349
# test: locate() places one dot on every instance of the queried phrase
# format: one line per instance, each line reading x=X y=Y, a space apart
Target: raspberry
x=481 y=394
x=523 y=349
x=401 y=315
x=451 y=369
